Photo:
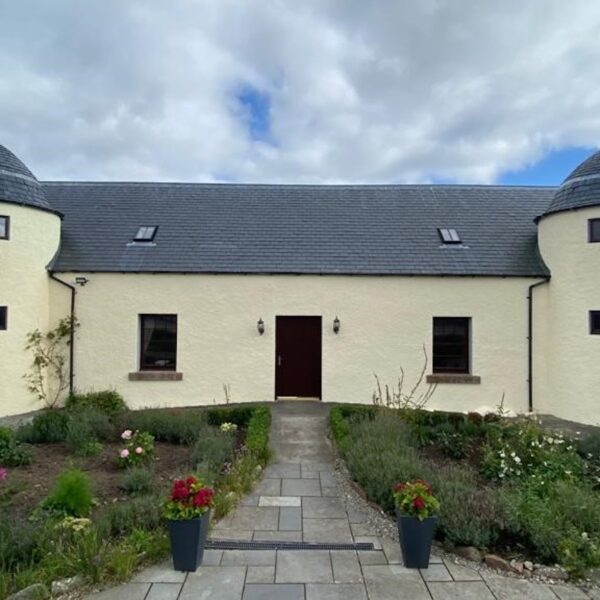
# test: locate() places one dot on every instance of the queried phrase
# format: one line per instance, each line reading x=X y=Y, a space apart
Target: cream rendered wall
x=384 y=323
x=567 y=380
x=25 y=289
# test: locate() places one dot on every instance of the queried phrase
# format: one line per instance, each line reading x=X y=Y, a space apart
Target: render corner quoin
x=195 y=293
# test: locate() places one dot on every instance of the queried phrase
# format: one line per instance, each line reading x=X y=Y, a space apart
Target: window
x=595 y=322
x=145 y=234
x=449 y=236
x=158 y=342
x=594 y=230
x=451 y=341
x=3 y=318
x=4 y=227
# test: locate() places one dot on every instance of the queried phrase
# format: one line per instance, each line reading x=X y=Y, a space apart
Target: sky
x=317 y=91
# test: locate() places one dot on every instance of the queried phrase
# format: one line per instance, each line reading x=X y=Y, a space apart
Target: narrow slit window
x=594 y=230
x=3 y=318
x=145 y=234
x=4 y=227
x=449 y=236
x=158 y=342
x=595 y=322
x=451 y=344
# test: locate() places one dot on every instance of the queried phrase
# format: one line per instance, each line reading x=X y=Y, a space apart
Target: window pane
x=3 y=317
x=595 y=322
x=451 y=344
x=594 y=230
x=159 y=342
x=3 y=227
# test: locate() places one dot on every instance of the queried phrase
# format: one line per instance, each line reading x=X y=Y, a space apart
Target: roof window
x=145 y=234
x=449 y=236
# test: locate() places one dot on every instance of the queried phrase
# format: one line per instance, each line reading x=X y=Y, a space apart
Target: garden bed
x=506 y=486
x=82 y=488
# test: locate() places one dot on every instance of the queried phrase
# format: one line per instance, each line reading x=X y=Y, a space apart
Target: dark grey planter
x=416 y=537
x=188 y=538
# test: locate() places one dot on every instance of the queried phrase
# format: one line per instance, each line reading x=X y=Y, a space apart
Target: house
x=187 y=293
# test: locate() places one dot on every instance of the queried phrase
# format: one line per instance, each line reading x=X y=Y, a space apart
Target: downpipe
x=530 y=341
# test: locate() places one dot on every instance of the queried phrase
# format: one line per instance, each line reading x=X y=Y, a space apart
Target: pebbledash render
x=191 y=293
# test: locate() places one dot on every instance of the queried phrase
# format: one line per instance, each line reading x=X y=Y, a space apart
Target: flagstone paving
x=298 y=500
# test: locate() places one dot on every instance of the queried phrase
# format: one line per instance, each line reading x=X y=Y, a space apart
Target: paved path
x=298 y=501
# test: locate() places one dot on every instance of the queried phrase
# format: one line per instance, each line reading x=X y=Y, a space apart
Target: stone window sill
x=453 y=378
x=155 y=376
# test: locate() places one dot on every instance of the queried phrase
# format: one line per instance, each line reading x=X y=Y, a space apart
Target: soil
x=32 y=483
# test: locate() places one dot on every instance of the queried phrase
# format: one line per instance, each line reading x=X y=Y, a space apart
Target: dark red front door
x=298 y=356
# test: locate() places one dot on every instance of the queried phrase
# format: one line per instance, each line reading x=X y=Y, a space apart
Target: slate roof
x=230 y=228
x=17 y=183
x=580 y=189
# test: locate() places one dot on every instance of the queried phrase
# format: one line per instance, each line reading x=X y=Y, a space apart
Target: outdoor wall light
x=260 y=326
x=81 y=281
x=336 y=325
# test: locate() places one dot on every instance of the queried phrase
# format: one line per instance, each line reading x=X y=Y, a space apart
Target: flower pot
x=188 y=538
x=416 y=537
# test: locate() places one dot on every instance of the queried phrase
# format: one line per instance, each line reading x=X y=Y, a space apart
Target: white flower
x=512 y=454
x=589 y=455
x=126 y=435
x=517 y=460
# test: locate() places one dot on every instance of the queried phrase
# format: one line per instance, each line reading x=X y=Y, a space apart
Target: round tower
x=568 y=322
x=29 y=239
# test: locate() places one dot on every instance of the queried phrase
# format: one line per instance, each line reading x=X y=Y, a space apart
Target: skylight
x=145 y=234
x=449 y=236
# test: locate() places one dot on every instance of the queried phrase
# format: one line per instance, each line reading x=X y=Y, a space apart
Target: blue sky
x=256 y=112
x=551 y=170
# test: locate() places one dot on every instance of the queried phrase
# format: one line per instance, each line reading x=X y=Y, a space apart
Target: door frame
x=320 y=318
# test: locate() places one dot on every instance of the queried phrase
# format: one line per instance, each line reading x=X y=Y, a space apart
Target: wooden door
x=298 y=357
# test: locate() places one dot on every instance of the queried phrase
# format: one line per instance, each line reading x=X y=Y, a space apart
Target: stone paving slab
x=303 y=567
x=509 y=588
x=565 y=592
x=278 y=591
x=278 y=536
x=323 y=508
x=164 y=591
x=268 y=487
x=436 y=572
x=300 y=487
x=328 y=591
x=290 y=519
x=280 y=500
x=260 y=575
x=254 y=558
x=289 y=471
x=326 y=530
x=346 y=568
x=265 y=518
x=163 y=573
x=460 y=590
x=213 y=583
x=383 y=583
x=130 y=591
x=462 y=573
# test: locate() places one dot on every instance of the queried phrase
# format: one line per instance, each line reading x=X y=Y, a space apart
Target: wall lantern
x=81 y=281
x=336 y=325
x=260 y=326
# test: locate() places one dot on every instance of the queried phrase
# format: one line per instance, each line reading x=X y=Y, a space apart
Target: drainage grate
x=241 y=545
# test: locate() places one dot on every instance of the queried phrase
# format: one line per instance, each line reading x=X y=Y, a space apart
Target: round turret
x=18 y=184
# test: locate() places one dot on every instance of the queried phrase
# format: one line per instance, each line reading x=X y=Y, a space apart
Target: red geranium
x=189 y=499
x=419 y=503
x=415 y=499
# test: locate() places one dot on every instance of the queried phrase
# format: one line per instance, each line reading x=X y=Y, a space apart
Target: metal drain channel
x=241 y=545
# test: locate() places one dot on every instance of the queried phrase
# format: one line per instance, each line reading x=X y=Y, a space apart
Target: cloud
x=312 y=91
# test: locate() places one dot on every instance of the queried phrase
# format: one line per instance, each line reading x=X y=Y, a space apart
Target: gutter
x=72 y=334
x=530 y=341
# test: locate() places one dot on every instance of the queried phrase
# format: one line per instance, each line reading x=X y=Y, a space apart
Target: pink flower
x=124 y=453
x=3 y=474
x=139 y=450
x=126 y=435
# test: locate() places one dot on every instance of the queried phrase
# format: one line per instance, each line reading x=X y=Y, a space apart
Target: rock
x=497 y=562
x=468 y=552
x=62 y=586
x=517 y=566
x=557 y=573
x=37 y=591
x=528 y=565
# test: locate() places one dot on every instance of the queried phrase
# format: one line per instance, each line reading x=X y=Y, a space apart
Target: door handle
x=279 y=360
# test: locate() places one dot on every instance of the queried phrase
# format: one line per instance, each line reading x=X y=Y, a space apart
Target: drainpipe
x=530 y=340
x=72 y=334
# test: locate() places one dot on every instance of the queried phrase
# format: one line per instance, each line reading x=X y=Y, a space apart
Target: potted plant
x=415 y=512
x=187 y=511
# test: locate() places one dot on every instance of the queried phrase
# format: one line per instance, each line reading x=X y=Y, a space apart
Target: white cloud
x=360 y=91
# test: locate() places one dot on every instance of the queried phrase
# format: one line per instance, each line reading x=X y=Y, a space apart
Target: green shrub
x=81 y=437
x=12 y=452
x=19 y=542
x=107 y=401
x=71 y=494
x=172 y=426
x=138 y=480
x=122 y=518
x=240 y=415
x=48 y=427
x=212 y=450
x=257 y=434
